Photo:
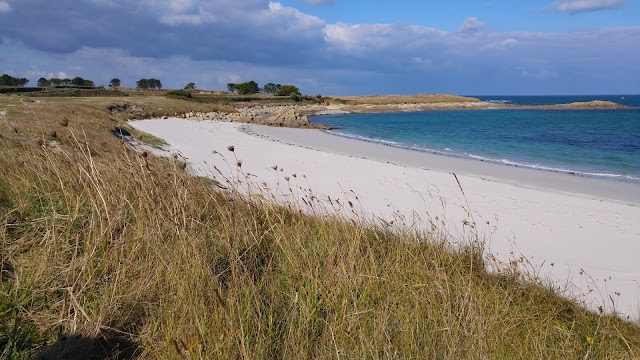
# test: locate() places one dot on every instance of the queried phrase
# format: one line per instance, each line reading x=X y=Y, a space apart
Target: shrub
x=287 y=90
x=295 y=97
x=179 y=93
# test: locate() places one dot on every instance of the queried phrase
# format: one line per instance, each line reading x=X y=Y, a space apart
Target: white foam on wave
x=507 y=162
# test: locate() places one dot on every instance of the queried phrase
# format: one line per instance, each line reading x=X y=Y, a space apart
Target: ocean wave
x=500 y=101
x=507 y=162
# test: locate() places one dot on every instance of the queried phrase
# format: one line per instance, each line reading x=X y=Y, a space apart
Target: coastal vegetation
x=114 y=83
x=252 y=88
x=76 y=81
x=108 y=250
x=179 y=93
x=8 y=80
x=149 y=84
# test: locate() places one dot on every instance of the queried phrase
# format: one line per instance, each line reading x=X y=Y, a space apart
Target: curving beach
x=580 y=233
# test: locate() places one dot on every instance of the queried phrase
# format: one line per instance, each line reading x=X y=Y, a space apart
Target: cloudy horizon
x=331 y=47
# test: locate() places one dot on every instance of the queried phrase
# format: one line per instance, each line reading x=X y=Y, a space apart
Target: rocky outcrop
x=284 y=116
x=595 y=104
x=295 y=116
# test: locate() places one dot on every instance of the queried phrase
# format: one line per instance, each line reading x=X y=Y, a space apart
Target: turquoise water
x=592 y=143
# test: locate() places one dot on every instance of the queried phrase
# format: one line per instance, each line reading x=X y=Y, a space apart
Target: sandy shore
x=569 y=229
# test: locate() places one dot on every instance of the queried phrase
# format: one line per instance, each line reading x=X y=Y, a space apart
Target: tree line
x=245 y=88
x=149 y=84
x=8 y=80
x=76 y=81
x=252 y=87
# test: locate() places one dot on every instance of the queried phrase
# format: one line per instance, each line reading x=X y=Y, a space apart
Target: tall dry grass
x=103 y=243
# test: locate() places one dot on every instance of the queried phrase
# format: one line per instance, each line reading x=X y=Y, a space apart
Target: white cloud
x=4 y=7
x=212 y=42
x=579 y=6
x=503 y=44
x=202 y=16
x=366 y=38
x=58 y=75
x=290 y=16
x=471 y=24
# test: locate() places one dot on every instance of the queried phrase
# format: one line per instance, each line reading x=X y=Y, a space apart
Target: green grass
x=143 y=137
x=99 y=240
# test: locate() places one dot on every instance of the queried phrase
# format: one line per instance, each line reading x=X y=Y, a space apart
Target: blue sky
x=332 y=47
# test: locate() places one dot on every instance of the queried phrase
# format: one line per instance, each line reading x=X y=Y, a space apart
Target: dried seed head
x=64 y=121
x=294 y=175
x=145 y=154
x=183 y=165
x=54 y=134
x=239 y=163
x=275 y=167
x=231 y=148
x=286 y=178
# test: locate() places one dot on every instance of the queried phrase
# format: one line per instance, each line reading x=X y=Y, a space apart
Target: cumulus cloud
x=4 y=7
x=503 y=44
x=237 y=30
x=212 y=42
x=579 y=6
x=472 y=24
x=361 y=39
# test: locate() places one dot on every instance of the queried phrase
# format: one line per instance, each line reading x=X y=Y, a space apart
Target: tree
x=56 y=82
x=42 y=82
x=190 y=86
x=148 y=84
x=77 y=81
x=232 y=87
x=287 y=90
x=8 y=80
x=271 y=88
x=114 y=83
x=142 y=84
x=248 y=88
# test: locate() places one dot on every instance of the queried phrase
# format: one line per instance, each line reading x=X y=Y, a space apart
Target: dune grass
x=129 y=251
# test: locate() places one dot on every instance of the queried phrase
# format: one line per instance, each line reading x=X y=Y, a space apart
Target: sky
x=332 y=47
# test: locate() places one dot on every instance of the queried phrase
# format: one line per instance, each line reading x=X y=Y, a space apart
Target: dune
x=581 y=234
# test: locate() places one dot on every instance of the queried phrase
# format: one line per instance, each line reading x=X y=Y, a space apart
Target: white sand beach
x=569 y=229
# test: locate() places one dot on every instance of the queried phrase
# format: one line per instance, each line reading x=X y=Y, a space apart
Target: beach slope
x=580 y=233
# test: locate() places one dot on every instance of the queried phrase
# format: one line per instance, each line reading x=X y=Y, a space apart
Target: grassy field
x=113 y=253
x=399 y=99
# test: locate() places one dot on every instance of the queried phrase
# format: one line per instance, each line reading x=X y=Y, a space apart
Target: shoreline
x=577 y=232
x=624 y=192
x=296 y=116
x=605 y=177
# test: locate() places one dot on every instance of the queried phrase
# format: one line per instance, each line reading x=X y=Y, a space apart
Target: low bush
x=179 y=93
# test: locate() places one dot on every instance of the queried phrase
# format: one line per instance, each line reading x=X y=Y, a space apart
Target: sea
x=591 y=143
